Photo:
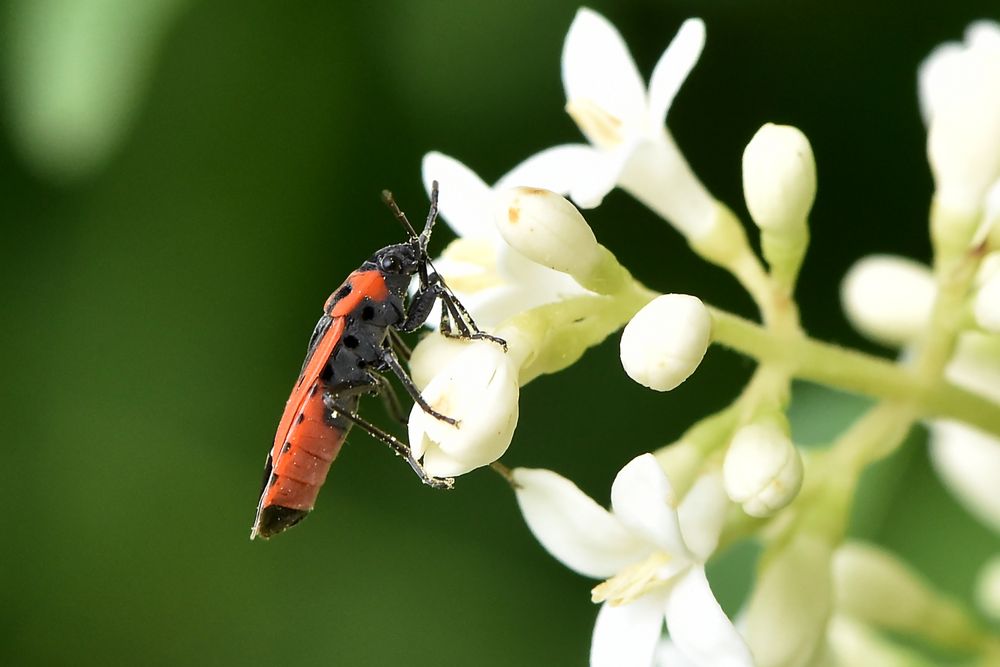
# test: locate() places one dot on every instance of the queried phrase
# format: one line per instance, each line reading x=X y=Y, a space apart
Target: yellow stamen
x=633 y=582
x=600 y=126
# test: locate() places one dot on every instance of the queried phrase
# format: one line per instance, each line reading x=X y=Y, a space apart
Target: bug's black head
x=398 y=263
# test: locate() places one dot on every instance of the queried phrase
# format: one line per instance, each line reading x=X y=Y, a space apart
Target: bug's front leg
x=421 y=305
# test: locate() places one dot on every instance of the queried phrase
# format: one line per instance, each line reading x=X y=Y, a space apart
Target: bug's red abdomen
x=304 y=456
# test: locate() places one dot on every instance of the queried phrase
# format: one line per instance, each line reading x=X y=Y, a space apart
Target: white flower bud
x=431 y=354
x=762 y=470
x=960 y=96
x=968 y=462
x=986 y=307
x=779 y=178
x=547 y=229
x=887 y=298
x=666 y=341
x=791 y=602
x=988 y=588
x=478 y=387
x=875 y=586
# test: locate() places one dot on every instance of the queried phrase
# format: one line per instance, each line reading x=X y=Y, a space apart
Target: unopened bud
x=547 y=229
x=787 y=614
x=762 y=470
x=888 y=298
x=779 y=178
x=478 y=388
x=878 y=588
x=779 y=184
x=666 y=341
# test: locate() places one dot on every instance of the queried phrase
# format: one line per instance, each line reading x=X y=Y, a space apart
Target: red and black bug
x=354 y=343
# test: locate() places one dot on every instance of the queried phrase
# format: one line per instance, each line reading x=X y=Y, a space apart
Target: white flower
x=959 y=87
x=479 y=388
x=547 y=229
x=489 y=277
x=762 y=470
x=652 y=550
x=888 y=298
x=665 y=342
x=630 y=145
x=967 y=459
x=779 y=177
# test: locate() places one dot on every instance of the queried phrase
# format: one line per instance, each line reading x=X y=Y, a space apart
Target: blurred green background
x=185 y=181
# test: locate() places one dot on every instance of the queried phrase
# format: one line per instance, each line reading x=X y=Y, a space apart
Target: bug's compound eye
x=390 y=263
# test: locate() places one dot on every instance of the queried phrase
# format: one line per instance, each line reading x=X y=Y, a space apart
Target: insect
x=355 y=342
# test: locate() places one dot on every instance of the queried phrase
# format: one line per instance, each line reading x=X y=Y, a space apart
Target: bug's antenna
x=391 y=203
x=425 y=236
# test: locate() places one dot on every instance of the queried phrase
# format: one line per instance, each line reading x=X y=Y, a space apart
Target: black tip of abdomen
x=275 y=519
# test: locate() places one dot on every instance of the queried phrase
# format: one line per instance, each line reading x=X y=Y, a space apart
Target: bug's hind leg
x=394 y=443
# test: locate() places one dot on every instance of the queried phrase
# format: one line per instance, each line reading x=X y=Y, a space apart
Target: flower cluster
x=530 y=270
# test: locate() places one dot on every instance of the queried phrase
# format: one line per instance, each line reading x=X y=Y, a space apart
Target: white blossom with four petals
x=624 y=121
x=652 y=553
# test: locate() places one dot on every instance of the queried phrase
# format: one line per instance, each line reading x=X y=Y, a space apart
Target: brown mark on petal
x=513 y=214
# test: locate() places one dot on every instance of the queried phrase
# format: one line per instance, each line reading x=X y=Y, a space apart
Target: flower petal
x=597 y=67
x=673 y=68
x=668 y=655
x=702 y=513
x=546 y=284
x=698 y=626
x=935 y=78
x=598 y=174
x=584 y=173
x=627 y=635
x=464 y=200
x=577 y=531
x=557 y=169
x=642 y=498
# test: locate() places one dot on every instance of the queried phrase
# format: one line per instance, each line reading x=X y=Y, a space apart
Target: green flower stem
x=557 y=334
x=854 y=371
x=954 y=279
x=873 y=436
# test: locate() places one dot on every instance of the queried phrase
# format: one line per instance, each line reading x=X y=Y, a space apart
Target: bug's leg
x=394 y=443
x=420 y=307
x=389 y=398
x=399 y=345
x=467 y=326
x=397 y=369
